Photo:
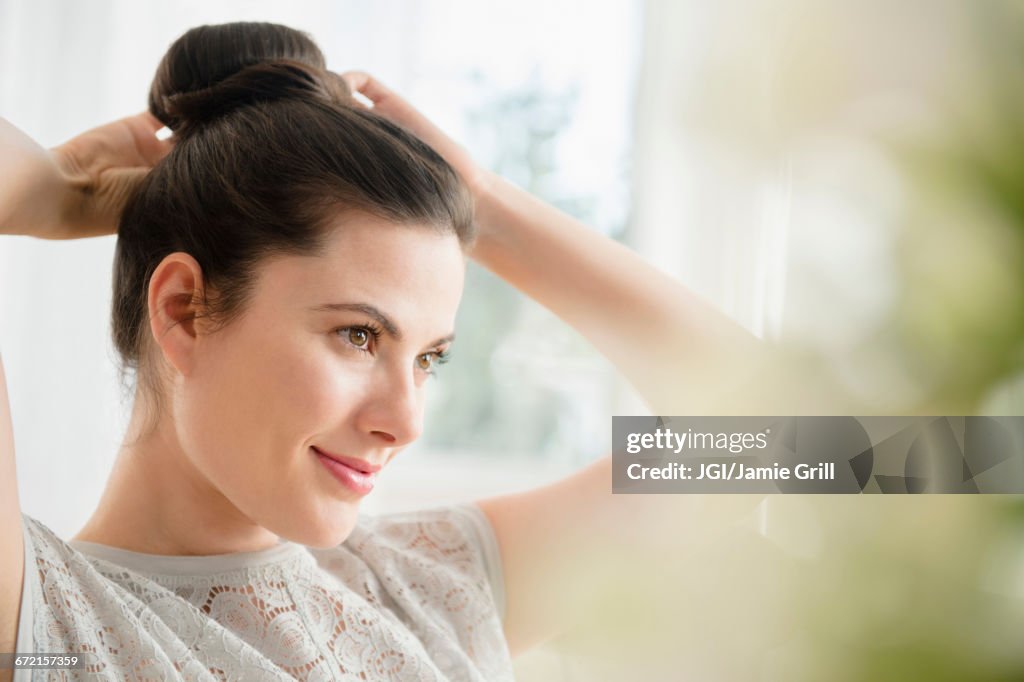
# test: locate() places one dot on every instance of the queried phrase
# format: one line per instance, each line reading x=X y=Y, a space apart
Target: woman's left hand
x=394 y=108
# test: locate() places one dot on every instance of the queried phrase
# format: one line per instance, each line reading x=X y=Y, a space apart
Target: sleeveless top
x=411 y=596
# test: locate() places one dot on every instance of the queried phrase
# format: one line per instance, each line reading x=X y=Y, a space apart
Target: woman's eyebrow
x=385 y=322
x=366 y=309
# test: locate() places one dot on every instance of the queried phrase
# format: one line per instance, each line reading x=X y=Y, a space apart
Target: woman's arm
x=680 y=353
x=33 y=191
x=11 y=548
x=569 y=546
x=75 y=190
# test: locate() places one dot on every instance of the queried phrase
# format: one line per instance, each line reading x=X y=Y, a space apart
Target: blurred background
x=843 y=179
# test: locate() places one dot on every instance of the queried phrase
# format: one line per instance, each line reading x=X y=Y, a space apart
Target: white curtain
x=705 y=209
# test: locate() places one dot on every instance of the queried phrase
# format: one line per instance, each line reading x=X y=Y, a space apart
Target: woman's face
x=333 y=354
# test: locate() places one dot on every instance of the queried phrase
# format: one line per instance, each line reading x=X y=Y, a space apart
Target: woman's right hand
x=79 y=188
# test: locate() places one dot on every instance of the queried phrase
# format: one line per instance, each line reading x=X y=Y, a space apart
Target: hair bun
x=211 y=71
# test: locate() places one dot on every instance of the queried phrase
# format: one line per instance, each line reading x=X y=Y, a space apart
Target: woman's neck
x=157 y=502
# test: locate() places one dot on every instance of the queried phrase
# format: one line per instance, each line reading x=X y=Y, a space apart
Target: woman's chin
x=318 y=534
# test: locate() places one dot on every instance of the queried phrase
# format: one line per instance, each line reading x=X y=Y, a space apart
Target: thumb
x=144 y=128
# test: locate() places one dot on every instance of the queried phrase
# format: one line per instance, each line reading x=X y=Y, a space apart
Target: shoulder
x=60 y=595
x=438 y=572
x=440 y=563
x=453 y=544
x=74 y=606
x=457 y=535
x=64 y=587
x=48 y=557
x=126 y=625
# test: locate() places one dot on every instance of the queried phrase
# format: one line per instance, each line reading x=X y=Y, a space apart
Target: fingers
x=146 y=119
x=144 y=127
x=385 y=101
x=394 y=108
x=367 y=85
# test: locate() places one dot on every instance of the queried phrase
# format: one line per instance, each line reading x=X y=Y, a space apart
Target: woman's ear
x=175 y=294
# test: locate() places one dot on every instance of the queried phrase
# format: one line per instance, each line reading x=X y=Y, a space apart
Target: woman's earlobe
x=174 y=297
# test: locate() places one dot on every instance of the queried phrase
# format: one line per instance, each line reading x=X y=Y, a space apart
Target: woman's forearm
x=32 y=188
x=671 y=345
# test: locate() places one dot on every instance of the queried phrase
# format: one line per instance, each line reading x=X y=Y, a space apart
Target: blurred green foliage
x=960 y=316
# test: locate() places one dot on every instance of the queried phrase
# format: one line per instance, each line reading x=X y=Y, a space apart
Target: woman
x=287 y=275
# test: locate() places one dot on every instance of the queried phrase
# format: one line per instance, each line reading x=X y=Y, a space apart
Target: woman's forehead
x=374 y=261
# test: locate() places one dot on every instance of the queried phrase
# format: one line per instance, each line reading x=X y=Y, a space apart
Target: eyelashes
x=439 y=358
x=362 y=337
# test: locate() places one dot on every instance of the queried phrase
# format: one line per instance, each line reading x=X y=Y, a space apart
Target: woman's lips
x=354 y=462
x=349 y=471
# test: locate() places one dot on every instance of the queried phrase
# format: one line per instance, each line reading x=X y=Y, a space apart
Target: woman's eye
x=428 y=362
x=363 y=339
x=360 y=337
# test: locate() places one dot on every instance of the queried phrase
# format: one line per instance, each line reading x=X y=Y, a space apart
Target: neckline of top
x=162 y=564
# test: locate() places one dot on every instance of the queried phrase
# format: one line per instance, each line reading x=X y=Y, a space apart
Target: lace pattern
x=406 y=597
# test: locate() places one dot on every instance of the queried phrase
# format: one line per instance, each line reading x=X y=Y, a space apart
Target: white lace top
x=413 y=596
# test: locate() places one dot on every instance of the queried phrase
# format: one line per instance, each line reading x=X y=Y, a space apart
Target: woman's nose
x=393 y=412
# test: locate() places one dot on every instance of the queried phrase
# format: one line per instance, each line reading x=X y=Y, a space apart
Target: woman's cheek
x=321 y=388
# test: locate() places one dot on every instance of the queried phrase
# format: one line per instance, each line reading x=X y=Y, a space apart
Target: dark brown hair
x=268 y=147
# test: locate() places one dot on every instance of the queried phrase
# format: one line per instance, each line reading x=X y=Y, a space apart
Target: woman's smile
x=358 y=480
